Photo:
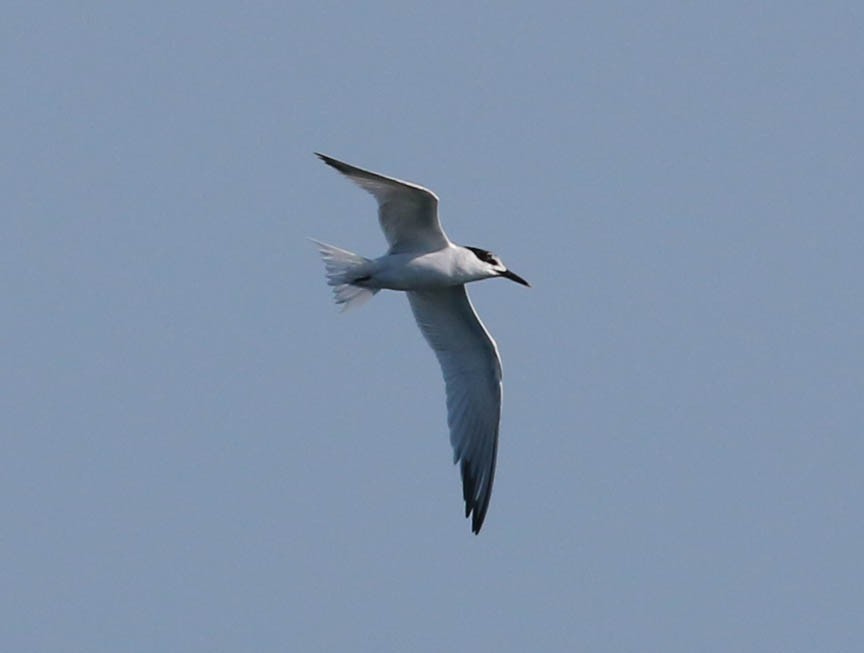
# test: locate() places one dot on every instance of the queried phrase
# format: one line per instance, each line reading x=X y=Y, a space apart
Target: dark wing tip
x=474 y=504
x=335 y=163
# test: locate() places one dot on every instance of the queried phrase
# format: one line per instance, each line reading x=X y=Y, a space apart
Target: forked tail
x=344 y=270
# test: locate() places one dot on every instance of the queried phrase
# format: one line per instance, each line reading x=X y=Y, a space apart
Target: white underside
x=451 y=266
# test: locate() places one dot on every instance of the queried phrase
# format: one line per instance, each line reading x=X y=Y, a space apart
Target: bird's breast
x=416 y=272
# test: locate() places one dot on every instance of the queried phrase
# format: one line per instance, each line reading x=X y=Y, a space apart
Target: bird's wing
x=472 y=373
x=408 y=213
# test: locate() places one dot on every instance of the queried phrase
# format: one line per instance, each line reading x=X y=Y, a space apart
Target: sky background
x=200 y=454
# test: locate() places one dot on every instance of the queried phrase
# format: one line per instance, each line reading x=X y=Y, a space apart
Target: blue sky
x=201 y=454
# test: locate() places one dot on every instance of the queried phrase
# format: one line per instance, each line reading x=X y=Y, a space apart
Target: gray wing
x=472 y=374
x=408 y=213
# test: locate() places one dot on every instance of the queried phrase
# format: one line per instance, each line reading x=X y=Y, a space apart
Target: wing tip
x=335 y=163
x=475 y=506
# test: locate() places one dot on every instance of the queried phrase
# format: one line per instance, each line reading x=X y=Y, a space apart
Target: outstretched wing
x=408 y=213
x=472 y=374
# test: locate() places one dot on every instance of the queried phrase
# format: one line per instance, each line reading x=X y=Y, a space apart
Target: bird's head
x=493 y=267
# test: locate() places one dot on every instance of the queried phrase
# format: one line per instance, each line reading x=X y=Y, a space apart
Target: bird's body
x=433 y=272
x=449 y=266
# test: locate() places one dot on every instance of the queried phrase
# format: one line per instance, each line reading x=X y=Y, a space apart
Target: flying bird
x=433 y=271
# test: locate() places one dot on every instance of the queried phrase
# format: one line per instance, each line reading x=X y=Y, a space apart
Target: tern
x=433 y=271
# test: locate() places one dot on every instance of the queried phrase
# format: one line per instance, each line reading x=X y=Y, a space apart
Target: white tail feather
x=343 y=269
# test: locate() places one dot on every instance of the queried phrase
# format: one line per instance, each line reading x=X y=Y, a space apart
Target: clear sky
x=200 y=454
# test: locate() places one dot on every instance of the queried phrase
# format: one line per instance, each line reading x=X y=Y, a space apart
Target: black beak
x=514 y=277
